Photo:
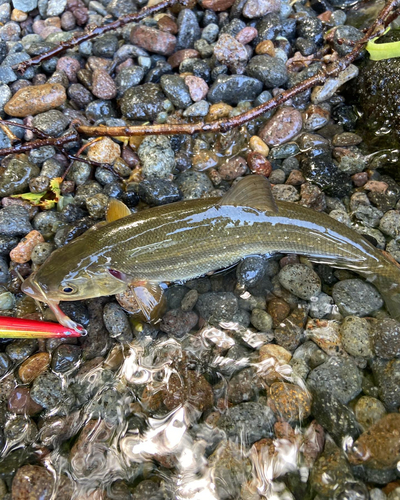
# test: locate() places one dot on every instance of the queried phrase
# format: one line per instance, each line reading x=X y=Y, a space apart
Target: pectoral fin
x=144 y=299
x=253 y=191
x=116 y=210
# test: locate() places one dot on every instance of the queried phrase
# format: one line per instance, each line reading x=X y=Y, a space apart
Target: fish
x=190 y=238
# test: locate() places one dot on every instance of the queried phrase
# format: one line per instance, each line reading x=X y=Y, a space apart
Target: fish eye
x=69 y=289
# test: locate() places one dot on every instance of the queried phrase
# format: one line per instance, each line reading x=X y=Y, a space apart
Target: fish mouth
x=33 y=289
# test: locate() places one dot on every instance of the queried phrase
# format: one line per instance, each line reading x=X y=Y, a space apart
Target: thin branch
x=92 y=33
x=70 y=136
x=225 y=124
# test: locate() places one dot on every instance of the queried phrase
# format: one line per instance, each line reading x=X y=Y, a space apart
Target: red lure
x=33 y=329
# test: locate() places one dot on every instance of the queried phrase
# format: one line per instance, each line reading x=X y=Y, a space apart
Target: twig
x=70 y=136
x=223 y=125
x=92 y=33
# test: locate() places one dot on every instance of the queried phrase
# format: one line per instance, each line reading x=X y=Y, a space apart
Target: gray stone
x=356 y=297
x=300 y=280
x=248 y=422
x=15 y=179
x=25 y=5
x=51 y=122
x=217 y=306
x=157 y=157
x=55 y=7
x=194 y=184
x=127 y=78
x=339 y=377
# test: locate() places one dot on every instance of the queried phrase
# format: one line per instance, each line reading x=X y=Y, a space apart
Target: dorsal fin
x=116 y=210
x=252 y=191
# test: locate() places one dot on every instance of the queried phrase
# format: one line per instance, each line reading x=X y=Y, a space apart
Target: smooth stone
x=282 y=127
x=36 y=99
x=232 y=89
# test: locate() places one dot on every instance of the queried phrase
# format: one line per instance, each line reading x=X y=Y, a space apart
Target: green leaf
x=381 y=51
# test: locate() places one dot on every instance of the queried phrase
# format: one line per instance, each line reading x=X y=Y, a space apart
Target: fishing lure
x=18 y=328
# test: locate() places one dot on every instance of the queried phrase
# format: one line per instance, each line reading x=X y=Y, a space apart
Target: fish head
x=69 y=274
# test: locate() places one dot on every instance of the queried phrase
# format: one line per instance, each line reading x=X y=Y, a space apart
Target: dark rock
x=177 y=323
x=311 y=28
x=356 y=297
x=143 y=102
x=339 y=377
x=157 y=192
x=248 y=422
x=15 y=179
x=270 y=70
x=14 y=221
x=340 y=37
x=324 y=173
x=216 y=307
x=128 y=77
x=106 y=46
x=176 y=90
x=269 y=27
x=189 y=29
x=234 y=88
x=387 y=377
x=100 y=109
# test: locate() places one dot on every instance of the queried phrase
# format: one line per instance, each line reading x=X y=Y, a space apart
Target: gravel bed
x=275 y=379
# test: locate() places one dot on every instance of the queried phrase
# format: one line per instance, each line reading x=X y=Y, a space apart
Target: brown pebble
x=258 y=145
x=346 y=139
x=258 y=164
x=217 y=5
x=21 y=403
x=230 y=52
x=266 y=47
x=278 y=309
x=32 y=482
x=376 y=186
x=36 y=99
x=70 y=66
x=67 y=21
x=18 y=15
x=274 y=351
x=359 y=179
x=246 y=35
x=168 y=25
x=232 y=169
x=296 y=178
x=22 y=252
x=289 y=402
x=104 y=151
x=217 y=111
x=180 y=55
x=103 y=86
x=282 y=127
x=33 y=367
x=153 y=40
x=379 y=446
x=198 y=88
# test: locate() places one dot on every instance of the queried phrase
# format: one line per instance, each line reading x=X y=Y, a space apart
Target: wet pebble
x=36 y=99
x=175 y=88
x=177 y=323
x=248 y=422
x=21 y=403
x=368 y=411
x=387 y=378
x=14 y=221
x=153 y=40
x=32 y=481
x=97 y=205
x=261 y=320
x=217 y=306
x=300 y=280
x=355 y=335
x=194 y=184
x=40 y=252
x=104 y=151
x=116 y=321
x=386 y=338
x=143 y=102
x=390 y=224
x=379 y=446
x=47 y=390
x=34 y=366
x=21 y=349
x=157 y=192
x=103 y=86
x=356 y=297
x=51 y=122
x=289 y=402
x=282 y=127
x=232 y=89
x=23 y=251
x=65 y=358
x=338 y=376
x=15 y=179
x=157 y=157
x=270 y=70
